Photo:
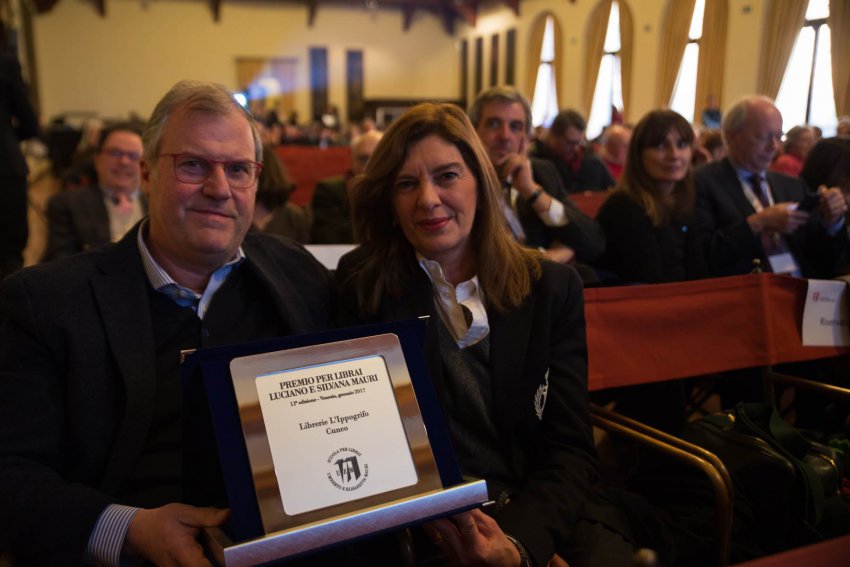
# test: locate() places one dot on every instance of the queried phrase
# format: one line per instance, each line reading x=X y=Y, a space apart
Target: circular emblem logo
x=347 y=469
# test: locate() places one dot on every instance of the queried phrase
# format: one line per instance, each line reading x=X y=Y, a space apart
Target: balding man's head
x=361 y=149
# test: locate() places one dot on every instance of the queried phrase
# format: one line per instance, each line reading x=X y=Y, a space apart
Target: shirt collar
x=162 y=282
x=451 y=301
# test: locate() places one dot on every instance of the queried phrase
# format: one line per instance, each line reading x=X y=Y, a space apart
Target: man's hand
x=515 y=169
x=832 y=204
x=560 y=254
x=473 y=538
x=781 y=217
x=167 y=536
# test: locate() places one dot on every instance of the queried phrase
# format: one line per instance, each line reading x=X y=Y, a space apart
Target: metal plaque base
x=348 y=527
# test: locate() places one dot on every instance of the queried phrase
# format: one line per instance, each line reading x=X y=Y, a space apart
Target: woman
x=649 y=219
x=827 y=166
x=651 y=238
x=273 y=213
x=798 y=142
x=506 y=346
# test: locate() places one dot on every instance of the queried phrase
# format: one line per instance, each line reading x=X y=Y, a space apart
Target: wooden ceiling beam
x=468 y=10
x=407 y=16
x=312 y=8
x=513 y=5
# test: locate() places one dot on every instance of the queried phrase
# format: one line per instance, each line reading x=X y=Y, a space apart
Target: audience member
x=828 y=165
x=90 y=411
x=711 y=115
x=748 y=213
x=712 y=142
x=649 y=223
x=563 y=145
x=81 y=172
x=505 y=348
x=843 y=128
x=798 y=141
x=18 y=121
x=331 y=216
x=273 y=213
x=539 y=213
x=649 y=220
x=82 y=218
x=615 y=148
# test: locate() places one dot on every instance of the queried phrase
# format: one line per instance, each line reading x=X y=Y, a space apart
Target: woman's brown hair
x=651 y=131
x=390 y=261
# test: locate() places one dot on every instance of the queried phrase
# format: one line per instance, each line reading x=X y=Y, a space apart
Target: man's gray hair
x=502 y=94
x=735 y=118
x=195 y=96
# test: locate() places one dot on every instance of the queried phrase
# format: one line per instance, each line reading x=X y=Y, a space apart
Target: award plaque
x=321 y=439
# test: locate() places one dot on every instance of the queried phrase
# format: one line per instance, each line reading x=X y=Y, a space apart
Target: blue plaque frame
x=213 y=430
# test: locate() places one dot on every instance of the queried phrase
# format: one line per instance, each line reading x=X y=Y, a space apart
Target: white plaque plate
x=335 y=433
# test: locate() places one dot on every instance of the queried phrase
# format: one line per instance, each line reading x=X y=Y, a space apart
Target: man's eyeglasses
x=117 y=154
x=240 y=174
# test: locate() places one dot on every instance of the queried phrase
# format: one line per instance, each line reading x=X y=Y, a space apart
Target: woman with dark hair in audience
x=273 y=213
x=651 y=238
x=828 y=165
x=506 y=340
x=649 y=219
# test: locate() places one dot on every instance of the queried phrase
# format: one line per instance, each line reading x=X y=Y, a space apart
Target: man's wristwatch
x=534 y=195
x=524 y=558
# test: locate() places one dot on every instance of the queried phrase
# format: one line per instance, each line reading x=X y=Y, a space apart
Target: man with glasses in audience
x=563 y=145
x=537 y=208
x=747 y=212
x=91 y=435
x=86 y=217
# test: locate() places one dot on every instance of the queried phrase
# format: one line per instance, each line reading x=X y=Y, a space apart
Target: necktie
x=758 y=189
x=771 y=242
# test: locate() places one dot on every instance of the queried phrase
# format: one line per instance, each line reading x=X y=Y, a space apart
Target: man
x=331 y=217
x=86 y=217
x=749 y=213
x=90 y=405
x=615 y=148
x=538 y=210
x=563 y=145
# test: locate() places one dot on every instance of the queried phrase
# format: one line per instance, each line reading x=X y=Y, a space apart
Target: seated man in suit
x=331 y=217
x=85 y=217
x=747 y=212
x=563 y=145
x=538 y=210
x=91 y=432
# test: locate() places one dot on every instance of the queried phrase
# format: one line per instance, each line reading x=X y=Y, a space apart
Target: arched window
x=806 y=95
x=685 y=89
x=693 y=47
x=545 y=57
x=608 y=94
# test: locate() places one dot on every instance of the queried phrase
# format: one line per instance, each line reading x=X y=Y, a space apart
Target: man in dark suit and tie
x=91 y=432
x=539 y=212
x=748 y=213
x=83 y=218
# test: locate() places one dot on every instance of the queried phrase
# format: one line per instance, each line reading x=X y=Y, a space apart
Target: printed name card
x=335 y=433
x=825 y=320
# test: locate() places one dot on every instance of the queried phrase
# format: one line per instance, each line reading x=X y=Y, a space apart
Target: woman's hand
x=473 y=539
